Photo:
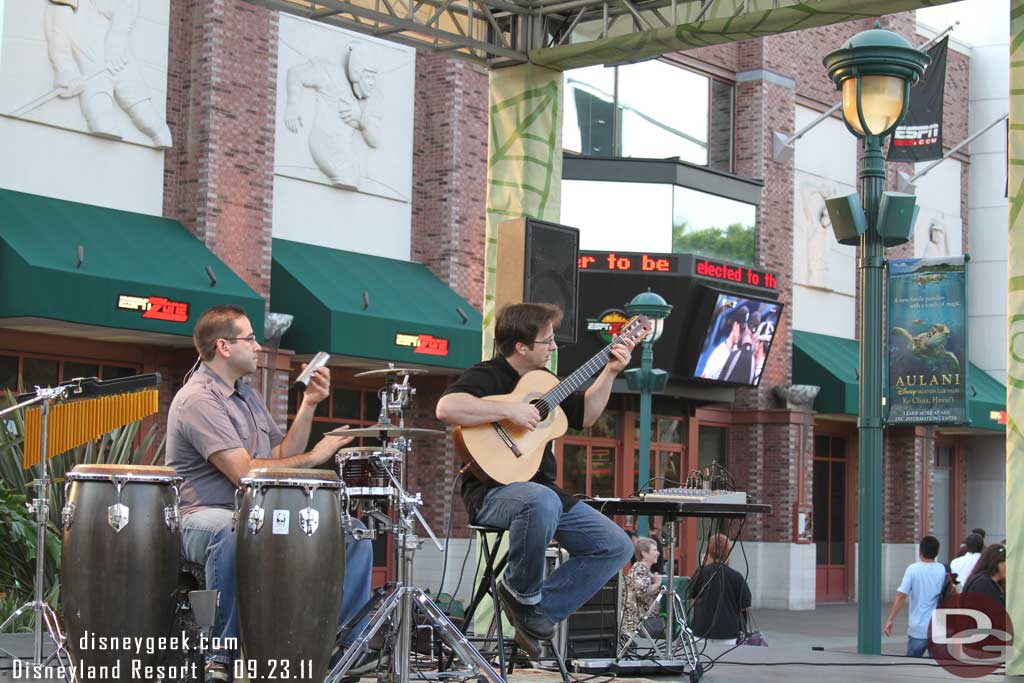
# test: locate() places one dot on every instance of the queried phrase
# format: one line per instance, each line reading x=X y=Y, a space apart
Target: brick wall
x=450 y=172
x=221 y=100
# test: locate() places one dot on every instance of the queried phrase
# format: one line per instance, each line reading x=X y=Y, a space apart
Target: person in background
x=922 y=582
x=963 y=566
x=719 y=594
x=642 y=585
x=989 y=575
x=980 y=532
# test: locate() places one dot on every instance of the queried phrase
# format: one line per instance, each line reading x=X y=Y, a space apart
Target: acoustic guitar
x=505 y=453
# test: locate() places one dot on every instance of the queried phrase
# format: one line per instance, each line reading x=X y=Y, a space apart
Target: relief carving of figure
x=87 y=42
x=817 y=231
x=343 y=110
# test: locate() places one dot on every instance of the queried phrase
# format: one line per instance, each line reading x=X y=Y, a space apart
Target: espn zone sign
x=423 y=343
x=155 y=307
x=916 y=136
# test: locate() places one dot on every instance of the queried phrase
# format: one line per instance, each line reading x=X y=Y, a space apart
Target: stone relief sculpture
x=815 y=231
x=344 y=109
x=938 y=240
x=88 y=44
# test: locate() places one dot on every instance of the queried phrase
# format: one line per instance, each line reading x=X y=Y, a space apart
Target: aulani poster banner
x=927 y=341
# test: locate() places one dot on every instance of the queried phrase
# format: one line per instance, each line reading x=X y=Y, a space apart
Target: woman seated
x=641 y=588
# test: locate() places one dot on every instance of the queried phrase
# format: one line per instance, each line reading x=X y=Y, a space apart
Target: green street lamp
x=874 y=70
x=646 y=379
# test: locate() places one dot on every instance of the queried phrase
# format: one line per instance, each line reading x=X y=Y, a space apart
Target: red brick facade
x=221 y=102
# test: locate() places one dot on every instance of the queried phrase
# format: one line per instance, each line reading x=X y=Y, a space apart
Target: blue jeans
x=533 y=515
x=916 y=647
x=207 y=539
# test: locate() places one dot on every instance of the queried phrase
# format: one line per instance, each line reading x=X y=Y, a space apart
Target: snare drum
x=289 y=569
x=366 y=471
x=119 y=562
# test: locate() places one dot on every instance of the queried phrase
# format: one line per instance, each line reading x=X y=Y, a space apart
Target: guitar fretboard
x=561 y=391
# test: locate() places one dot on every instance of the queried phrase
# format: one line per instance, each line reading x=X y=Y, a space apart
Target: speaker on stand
x=538 y=263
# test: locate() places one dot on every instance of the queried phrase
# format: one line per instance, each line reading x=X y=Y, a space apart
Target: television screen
x=737 y=340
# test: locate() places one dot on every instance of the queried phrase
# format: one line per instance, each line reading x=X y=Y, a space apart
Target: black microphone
x=319 y=360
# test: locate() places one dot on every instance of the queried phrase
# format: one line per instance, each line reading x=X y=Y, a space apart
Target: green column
x=869 y=423
x=644 y=453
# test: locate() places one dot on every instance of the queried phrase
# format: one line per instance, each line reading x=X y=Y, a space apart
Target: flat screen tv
x=734 y=343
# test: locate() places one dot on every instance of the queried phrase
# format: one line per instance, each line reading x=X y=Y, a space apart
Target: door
x=942 y=493
x=829 y=500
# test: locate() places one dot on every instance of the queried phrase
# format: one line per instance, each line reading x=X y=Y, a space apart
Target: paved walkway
x=816 y=646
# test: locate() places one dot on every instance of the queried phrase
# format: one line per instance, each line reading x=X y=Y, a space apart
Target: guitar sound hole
x=541 y=407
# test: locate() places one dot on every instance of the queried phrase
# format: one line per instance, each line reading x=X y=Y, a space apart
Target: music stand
x=43 y=613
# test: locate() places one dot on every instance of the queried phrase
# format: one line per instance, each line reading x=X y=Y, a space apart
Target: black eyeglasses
x=550 y=341
x=251 y=338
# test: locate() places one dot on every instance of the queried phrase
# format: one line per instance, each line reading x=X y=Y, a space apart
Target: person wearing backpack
x=923 y=583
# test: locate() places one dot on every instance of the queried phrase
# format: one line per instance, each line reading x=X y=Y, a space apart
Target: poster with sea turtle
x=927 y=347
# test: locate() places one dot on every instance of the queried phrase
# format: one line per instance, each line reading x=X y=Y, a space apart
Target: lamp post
x=874 y=70
x=646 y=379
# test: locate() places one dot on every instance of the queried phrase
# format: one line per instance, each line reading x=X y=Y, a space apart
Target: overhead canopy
x=138 y=273
x=575 y=33
x=370 y=307
x=831 y=363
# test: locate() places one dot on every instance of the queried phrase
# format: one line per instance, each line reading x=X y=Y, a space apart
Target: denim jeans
x=207 y=539
x=533 y=515
x=917 y=647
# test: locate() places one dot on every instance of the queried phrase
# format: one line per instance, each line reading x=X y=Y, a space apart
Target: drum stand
x=402 y=597
x=44 y=614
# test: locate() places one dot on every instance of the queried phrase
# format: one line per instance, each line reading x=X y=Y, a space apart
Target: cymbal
x=392 y=371
x=386 y=431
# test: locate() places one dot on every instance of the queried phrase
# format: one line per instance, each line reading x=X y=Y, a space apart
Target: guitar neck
x=561 y=391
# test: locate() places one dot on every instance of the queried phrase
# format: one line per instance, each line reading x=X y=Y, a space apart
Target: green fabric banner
x=524 y=161
x=927 y=334
x=1015 y=336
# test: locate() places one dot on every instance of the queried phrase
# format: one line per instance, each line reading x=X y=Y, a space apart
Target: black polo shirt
x=495 y=377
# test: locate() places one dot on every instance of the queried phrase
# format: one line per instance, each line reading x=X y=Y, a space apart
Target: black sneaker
x=527 y=644
x=525 y=618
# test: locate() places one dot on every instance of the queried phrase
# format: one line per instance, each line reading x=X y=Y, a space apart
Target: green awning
x=831 y=362
x=370 y=307
x=137 y=272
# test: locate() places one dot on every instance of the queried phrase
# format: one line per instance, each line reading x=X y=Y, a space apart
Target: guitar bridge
x=507 y=438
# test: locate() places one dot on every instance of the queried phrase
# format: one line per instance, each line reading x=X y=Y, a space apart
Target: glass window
x=712 y=226
x=602 y=471
x=664 y=112
x=9 y=373
x=574 y=468
x=619 y=216
x=607 y=426
x=73 y=370
x=116 y=371
x=39 y=372
x=346 y=404
x=653 y=110
x=710 y=446
x=588 y=125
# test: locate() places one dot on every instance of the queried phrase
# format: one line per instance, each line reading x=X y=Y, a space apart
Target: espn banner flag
x=919 y=138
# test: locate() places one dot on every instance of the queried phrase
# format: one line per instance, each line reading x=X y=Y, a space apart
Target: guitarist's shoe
x=529 y=623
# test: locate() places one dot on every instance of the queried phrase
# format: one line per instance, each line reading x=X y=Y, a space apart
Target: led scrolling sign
x=676 y=264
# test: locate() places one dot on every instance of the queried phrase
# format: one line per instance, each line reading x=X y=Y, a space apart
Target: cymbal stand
x=43 y=613
x=401 y=598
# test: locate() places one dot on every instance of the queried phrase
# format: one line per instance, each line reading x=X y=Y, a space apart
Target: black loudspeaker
x=537 y=263
x=593 y=630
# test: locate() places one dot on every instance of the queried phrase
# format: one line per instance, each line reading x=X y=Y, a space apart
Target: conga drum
x=119 y=565
x=289 y=571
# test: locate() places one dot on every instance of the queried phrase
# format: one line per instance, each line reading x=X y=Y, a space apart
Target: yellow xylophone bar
x=76 y=422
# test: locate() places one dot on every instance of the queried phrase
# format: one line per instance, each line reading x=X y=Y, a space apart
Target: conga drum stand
x=398 y=605
x=43 y=613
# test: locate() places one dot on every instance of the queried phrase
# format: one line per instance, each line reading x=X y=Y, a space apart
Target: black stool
x=493 y=566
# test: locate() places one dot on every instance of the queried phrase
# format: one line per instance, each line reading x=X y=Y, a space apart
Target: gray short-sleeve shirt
x=208 y=416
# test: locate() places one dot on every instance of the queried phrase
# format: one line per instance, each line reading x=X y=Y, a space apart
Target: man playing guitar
x=537 y=510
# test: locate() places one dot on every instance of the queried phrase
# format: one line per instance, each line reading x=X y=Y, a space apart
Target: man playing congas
x=218 y=429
